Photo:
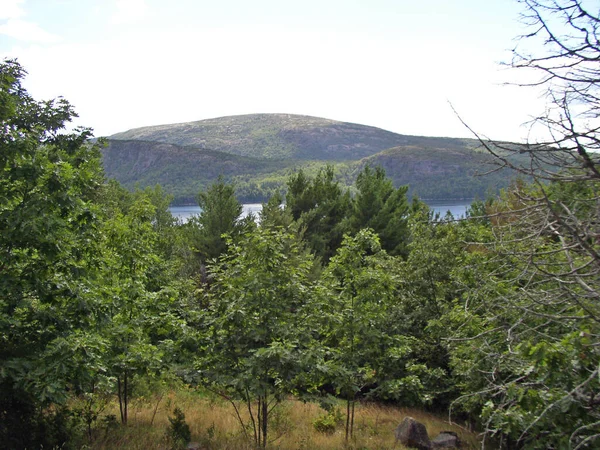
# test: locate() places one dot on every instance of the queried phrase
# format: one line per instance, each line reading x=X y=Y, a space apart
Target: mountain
x=259 y=151
x=276 y=136
x=439 y=172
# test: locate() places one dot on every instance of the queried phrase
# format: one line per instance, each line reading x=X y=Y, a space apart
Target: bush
x=23 y=424
x=178 y=433
x=327 y=423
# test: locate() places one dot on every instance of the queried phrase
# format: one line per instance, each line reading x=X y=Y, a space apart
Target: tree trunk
x=125 y=385
x=265 y=416
x=347 y=419
x=352 y=419
x=120 y=396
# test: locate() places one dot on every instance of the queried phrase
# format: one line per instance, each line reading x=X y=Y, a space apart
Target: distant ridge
x=259 y=151
x=277 y=136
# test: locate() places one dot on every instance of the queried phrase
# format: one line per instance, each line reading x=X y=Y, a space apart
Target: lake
x=458 y=208
x=185 y=212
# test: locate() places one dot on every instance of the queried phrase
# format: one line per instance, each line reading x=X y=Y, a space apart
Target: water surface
x=458 y=208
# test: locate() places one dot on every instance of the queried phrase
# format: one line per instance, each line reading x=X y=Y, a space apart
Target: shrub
x=178 y=433
x=327 y=423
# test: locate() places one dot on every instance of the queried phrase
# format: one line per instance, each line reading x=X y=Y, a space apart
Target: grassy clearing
x=213 y=424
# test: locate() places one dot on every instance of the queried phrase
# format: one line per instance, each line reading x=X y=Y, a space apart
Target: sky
x=407 y=66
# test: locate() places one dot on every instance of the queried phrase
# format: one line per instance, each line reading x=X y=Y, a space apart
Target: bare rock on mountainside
x=259 y=151
x=276 y=136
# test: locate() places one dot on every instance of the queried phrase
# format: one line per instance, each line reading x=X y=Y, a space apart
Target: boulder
x=413 y=434
x=446 y=439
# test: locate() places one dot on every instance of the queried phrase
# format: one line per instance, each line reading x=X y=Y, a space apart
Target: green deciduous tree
x=362 y=286
x=49 y=180
x=88 y=288
x=258 y=335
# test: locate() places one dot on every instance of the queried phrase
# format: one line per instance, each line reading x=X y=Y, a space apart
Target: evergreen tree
x=220 y=216
x=382 y=208
x=321 y=207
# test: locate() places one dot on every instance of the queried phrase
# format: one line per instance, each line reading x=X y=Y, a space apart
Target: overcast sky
x=393 y=64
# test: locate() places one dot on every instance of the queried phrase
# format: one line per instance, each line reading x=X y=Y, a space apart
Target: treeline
x=430 y=173
x=334 y=295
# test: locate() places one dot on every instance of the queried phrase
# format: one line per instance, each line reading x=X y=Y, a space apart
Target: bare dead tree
x=547 y=241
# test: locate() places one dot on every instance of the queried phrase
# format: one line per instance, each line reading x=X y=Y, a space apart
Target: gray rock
x=446 y=439
x=413 y=434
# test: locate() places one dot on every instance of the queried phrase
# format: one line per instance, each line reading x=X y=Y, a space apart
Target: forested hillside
x=258 y=152
x=335 y=302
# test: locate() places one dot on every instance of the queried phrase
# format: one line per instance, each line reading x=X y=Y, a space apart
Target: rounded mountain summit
x=258 y=152
x=284 y=136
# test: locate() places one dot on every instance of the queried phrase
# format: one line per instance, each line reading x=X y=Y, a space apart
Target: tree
x=220 y=215
x=362 y=287
x=205 y=235
x=539 y=337
x=258 y=337
x=141 y=321
x=49 y=183
x=321 y=207
x=87 y=295
x=273 y=214
x=131 y=257
x=382 y=208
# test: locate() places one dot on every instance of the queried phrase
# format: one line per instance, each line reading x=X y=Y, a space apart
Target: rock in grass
x=413 y=434
x=446 y=439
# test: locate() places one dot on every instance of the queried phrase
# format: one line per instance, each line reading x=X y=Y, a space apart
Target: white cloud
x=28 y=32
x=129 y=11
x=11 y=9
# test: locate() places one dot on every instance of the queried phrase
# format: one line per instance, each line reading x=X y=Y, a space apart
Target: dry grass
x=213 y=424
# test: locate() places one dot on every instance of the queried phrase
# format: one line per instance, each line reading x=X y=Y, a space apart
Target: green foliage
x=521 y=342
x=363 y=288
x=320 y=206
x=220 y=216
x=257 y=334
x=143 y=309
x=87 y=272
x=273 y=214
x=186 y=159
x=364 y=296
x=328 y=422
x=439 y=272
x=178 y=434
x=382 y=208
x=49 y=181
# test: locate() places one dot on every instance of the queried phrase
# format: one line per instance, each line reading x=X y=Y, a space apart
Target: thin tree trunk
x=120 y=398
x=347 y=418
x=249 y=404
x=89 y=419
x=160 y=397
x=125 y=383
x=259 y=416
x=265 y=423
x=352 y=420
